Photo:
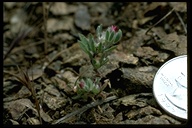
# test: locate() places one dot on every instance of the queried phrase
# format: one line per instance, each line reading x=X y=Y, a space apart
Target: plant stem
x=45 y=26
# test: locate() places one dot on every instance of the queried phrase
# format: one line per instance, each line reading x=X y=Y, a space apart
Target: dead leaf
x=18 y=107
x=139 y=100
x=33 y=121
x=174 y=42
x=54 y=102
x=45 y=116
x=22 y=93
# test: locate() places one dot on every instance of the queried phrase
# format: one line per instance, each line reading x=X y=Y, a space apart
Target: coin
x=170 y=87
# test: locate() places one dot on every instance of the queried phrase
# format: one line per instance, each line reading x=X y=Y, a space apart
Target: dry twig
x=45 y=26
x=24 y=79
x=146 y=33
x=184 y=27
x=83 y=109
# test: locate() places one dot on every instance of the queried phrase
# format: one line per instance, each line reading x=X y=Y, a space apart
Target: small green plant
x=98 y=50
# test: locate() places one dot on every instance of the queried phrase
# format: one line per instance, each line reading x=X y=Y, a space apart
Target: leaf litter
x=130 y=71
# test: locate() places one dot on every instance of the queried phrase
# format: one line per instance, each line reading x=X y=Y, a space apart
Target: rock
x=115 y=60
x=70 y=76
x=22 y=93
x=175 y=43
x=160 y=58
x=107 y=111
x=179 y=6
x=99 y=13
x=148 y=110
x=82 y=18
x=34 y=72
x=77 y=58
x=151 y=120
x=146 y=52
x=54 y=102
x=63 y=85
x=118 y=118
x=31 y=50
x=62 y=8
x=127 y=122
x=139 y=100
x=10 y=5
x=100 y=118
x=108 y=68
x=146 y=120
x=86 y=71
x=142 y=76
x=54 y=25
x=123 y=58
x=150 y=56
x=18 y=23
x=170 y=119
x=131 y=45
x=18 y=107
x=62 y=37
x=97 y=8
x=52 y=90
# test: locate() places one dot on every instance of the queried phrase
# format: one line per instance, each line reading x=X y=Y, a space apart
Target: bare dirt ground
x=41 y=39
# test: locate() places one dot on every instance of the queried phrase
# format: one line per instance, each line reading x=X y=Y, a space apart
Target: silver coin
x=170 y=87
